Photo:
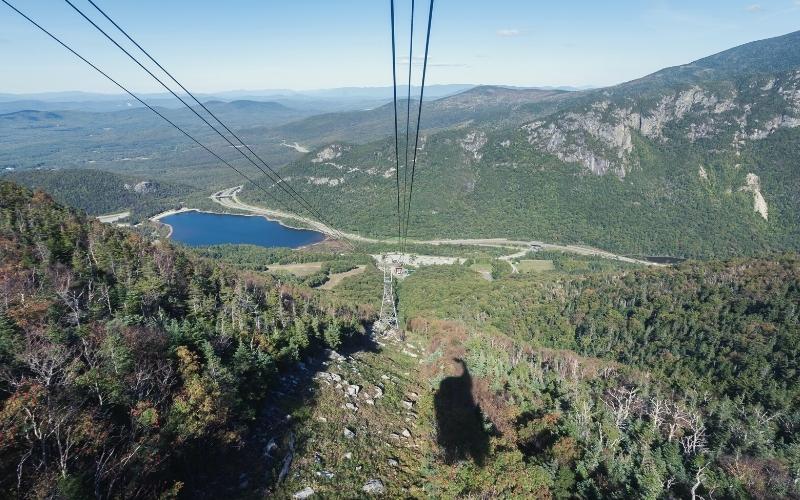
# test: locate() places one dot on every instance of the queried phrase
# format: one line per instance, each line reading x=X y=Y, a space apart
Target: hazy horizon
x=276 y=91
x=310 y=45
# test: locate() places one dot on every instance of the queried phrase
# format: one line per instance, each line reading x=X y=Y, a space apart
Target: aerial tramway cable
x=275 y=178
x=141 y=101
x=396 y=141
x=408 y=107
x=203 y=106
x=419 y=118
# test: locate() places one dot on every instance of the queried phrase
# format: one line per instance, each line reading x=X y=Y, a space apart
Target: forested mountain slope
x=131 y=368
x=130 y=139
x=699 y=160
x=773 y=55
x=659 y=383
x=127 y=367
x=98 y=192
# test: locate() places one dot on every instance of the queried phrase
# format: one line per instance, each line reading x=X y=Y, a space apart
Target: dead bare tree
x=602 y=439
x=45 y=360
x=71 y=297
x=583 y=418
x=694 y=441
x=622 y=402
x=677 y=419
x=657 y=412
x=63 y=422
x=699 y=477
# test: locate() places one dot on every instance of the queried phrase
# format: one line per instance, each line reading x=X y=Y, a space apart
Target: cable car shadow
x=459 y=421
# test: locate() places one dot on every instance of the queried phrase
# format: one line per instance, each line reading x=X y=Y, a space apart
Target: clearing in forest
x=299 y=270
x=335 y=279
x=535 y=266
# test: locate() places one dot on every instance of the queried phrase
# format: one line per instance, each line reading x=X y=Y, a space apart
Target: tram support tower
x=387 y=323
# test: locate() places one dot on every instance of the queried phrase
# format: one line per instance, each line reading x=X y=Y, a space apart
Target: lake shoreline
x=168 y=213
x=157 y=218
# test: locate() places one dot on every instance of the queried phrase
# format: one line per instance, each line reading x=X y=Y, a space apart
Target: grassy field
x=337 y=278
x=299 y=270
x=535 y=266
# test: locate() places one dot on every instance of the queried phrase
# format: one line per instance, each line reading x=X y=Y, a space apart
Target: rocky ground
x=347 y=424
x=363 y=421
x=362 y=435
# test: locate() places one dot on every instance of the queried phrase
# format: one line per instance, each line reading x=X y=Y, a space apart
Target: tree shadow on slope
x=459 y=421
x=252 y=468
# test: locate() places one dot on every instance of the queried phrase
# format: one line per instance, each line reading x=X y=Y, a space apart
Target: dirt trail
x=335 y=279
x=229 y=198
x=510 y=259
x=111 y=218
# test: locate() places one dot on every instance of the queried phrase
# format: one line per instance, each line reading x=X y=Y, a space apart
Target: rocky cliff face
x=600 y=135
x=144 y=187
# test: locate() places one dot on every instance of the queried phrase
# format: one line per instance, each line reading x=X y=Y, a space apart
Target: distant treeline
x=98 y=192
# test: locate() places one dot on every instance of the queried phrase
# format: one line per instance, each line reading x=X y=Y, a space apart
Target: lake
x=200 y=228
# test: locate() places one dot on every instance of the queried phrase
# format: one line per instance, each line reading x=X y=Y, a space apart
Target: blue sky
x=310 y=44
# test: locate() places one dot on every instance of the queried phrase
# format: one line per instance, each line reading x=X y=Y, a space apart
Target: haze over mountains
x=336 y=99
x=691 y=160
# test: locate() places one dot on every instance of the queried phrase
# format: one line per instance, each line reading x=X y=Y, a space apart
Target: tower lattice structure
x=388 y=317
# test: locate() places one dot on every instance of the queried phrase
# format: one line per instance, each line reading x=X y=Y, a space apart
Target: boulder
x=374 y=487
x=306 y=492
x=145 y=187
x=335 y=356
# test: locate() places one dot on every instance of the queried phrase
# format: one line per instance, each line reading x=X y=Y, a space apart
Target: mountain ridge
x=687 y=168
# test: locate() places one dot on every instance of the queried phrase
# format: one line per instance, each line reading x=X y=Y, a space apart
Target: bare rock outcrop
x=753 y=185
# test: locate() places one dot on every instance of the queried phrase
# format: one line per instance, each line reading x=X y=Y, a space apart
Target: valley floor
x=229 y=199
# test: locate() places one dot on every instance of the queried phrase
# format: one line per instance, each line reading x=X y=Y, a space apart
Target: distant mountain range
x=322 y=100
x=332 y=93
x=695 y=160
x=336 y=99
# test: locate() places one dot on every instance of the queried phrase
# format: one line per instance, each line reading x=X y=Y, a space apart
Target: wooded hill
x=98 y=192
x=129 y=368
x=658 y=383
